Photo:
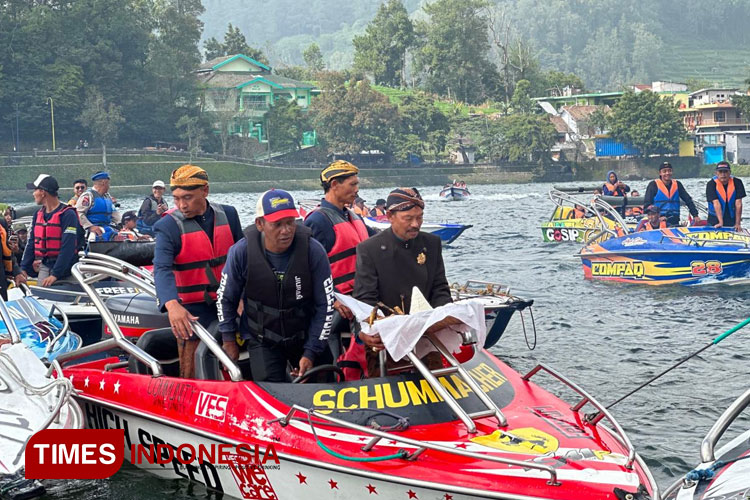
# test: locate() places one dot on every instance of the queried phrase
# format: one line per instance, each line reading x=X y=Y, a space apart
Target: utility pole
x=52 y=112
x=18 y=142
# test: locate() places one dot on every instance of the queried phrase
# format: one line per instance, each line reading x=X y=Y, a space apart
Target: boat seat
x=207 y=367
x=162 y=345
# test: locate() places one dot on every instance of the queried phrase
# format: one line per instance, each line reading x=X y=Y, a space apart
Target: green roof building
x=239 y=91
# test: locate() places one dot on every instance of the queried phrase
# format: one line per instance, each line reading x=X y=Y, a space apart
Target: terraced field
x=721 y=65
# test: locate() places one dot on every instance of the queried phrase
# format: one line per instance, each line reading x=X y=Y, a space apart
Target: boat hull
x=172 y=411
x=447 y=232
x=687 y=256
x=731 y=481
x=454 y=194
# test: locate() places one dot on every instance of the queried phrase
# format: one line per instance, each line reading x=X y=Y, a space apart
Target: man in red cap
x=282 y=277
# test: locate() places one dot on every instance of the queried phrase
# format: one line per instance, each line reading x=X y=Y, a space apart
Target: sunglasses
x=79 y=188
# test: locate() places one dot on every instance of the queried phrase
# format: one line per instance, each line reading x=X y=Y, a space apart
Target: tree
x=558 y=80
x=599 y=119
x=521 y=101
x=647 y=121
x=285 y=122
x=193 y=131
x=453 y=55
x=351 y=117
x=102 y=119
x=526 y=137
x=381 y=51
x=234 y=43
x=313 y=58
x=742 y=103
x=423 y=127
x=213 y=48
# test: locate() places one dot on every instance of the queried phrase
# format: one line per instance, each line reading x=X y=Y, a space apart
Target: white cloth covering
x=403 y=333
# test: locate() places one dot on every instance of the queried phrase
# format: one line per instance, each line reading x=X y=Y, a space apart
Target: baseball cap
x=19 y=226
x=45 y=182
x=100 y=175
x=276 y=204
x=380 y=201
x=359 y=200
x=723 y=165
x=158 y=184
x=129 y=215
x=652 y=209
x=664 y=165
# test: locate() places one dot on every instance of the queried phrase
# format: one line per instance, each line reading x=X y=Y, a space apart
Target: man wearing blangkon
x=393 y=262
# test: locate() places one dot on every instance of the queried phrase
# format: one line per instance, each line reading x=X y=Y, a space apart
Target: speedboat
x=563 y=226
x=39 y=329
x=32 y=400
x=722 y=474
x=455 y=192
x=447 y=232
x=472 y=430
x=684 y=255
x=67 y=297
x=499 y=306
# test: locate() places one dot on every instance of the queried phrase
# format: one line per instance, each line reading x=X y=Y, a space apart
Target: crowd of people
x=269 y=288
x=664 y=196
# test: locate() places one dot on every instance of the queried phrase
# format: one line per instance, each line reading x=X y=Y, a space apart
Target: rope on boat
x=531 y=346
x=400 y=454
x=702 y=474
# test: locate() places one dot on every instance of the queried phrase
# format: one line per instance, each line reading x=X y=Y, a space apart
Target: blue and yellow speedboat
x=684 y=255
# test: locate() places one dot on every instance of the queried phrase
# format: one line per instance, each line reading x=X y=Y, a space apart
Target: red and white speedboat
x=472 y=430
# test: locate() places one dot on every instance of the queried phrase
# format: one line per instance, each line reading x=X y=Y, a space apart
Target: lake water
x=606 y=337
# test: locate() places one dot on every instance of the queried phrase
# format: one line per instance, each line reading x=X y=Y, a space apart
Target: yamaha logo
x=127 y=319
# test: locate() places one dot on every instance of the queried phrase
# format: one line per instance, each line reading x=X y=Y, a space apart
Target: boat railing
x=600 y=208
x=116 y=265
x=477 y=288
x=721 y=425
x=91 y=269
x=700 y=242
x=562 y=199
x=617 y=431
x=717 y=430
x=588 y=399
x=419 y=446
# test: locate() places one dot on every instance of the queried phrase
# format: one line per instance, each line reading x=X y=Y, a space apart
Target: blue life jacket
x=100 y=213
x=726 y=196
x=667 y=199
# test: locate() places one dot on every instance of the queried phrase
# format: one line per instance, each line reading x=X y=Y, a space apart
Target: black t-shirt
x=711 y=195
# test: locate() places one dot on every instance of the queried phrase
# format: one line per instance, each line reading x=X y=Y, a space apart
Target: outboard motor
x=136 y=313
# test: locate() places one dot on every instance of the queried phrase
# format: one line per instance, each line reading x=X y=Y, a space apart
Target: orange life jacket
x=7 y=254
x=667 y=199
x=48 y=234
x=613 y=189
x=343 y=254
x=648 y=227
x=637 y=210
x=197 y=268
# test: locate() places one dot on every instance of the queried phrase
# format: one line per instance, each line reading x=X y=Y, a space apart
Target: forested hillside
x=606 y=42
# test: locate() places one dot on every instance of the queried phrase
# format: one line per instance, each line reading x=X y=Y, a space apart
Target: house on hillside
x=577 y=119
x=593 y=99
x=240 y=90
x=710 y=115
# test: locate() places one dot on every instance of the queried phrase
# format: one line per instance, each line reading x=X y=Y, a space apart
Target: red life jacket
x=48 y=234
x=197 y=268
x=343 y=255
